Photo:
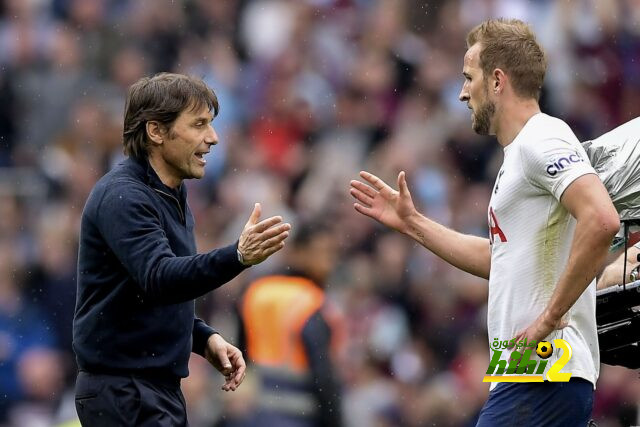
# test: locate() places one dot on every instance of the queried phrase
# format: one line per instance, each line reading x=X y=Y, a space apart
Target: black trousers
x=112 y=400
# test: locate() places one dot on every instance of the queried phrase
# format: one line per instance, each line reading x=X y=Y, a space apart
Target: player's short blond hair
x=510 y=44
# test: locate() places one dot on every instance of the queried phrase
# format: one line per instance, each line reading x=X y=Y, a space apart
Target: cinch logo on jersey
x=521 y=369
x=561 y=163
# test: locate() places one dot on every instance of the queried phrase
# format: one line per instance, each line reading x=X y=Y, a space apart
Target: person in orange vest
x=291 y=335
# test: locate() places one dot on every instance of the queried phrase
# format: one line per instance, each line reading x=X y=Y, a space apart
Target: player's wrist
x=551 y=317
x=412 y=223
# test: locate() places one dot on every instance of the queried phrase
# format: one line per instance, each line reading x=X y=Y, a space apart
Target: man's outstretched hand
x=381 y=202
x=259 y=240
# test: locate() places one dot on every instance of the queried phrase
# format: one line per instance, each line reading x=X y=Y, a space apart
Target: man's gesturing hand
x=227 y=359
x=381 y=202
x=261 y=239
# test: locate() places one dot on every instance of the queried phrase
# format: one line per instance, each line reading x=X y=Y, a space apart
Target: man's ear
x=499 y=80
x=155 y=132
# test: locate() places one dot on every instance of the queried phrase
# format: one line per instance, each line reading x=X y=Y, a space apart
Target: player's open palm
x=261 y=239
x=379 y=201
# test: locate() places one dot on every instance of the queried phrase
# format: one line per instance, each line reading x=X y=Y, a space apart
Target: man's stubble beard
x=482 y=118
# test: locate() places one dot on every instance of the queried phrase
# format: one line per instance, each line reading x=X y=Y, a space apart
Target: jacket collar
x=146 y=173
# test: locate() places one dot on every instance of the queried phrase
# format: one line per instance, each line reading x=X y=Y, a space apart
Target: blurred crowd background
x=311 y=92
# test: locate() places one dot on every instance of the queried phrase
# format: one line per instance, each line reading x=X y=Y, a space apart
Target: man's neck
x=162 y=170
x=512 y=117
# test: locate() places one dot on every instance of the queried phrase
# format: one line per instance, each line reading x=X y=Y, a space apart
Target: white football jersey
x=531 y=235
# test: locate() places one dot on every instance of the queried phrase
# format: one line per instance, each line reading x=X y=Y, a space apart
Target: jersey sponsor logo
x=494 y=228
x=562 y=162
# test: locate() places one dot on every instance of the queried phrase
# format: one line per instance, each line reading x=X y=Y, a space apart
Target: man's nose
x=211 y=137
x=464 y=95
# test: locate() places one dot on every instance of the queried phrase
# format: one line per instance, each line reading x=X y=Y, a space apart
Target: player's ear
x=498 y=81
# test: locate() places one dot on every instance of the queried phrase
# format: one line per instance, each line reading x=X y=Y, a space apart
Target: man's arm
x=201 y=333
x=134 y=232
x=395 y=209
x=612 y=274
x=466 y=252
x=597 y=223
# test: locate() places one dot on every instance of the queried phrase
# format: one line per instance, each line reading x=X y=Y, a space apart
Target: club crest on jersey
x=562 y=162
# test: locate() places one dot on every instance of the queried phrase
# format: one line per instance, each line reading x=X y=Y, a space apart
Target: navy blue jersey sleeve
x=131 y=226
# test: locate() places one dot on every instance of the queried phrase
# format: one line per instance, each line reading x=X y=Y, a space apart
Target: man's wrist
x=240 y=257
x=413 y=224
x=552 y=317
x=210 y=339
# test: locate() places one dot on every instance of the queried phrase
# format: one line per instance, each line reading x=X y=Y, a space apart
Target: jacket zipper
x=177 y=203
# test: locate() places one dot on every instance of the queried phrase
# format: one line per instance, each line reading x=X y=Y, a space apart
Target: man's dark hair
x=161 y=98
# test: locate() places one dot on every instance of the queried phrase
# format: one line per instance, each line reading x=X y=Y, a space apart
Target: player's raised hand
x=261 y=239
x=379 y=201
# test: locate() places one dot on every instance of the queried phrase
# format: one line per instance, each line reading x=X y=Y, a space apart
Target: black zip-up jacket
x=138 y=276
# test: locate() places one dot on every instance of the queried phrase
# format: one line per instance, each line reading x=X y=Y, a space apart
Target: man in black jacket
x=138 y=270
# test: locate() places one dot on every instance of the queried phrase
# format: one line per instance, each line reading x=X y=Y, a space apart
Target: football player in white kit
x=550 y=225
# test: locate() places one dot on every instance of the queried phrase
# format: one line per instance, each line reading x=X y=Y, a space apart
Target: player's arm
x=395 y=209
x=464 y=251
x=612 y=274
x=597 y=223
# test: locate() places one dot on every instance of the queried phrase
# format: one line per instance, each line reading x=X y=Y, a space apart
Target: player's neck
x=512 y=116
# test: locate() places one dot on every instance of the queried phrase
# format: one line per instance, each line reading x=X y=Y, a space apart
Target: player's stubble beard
x=483 y=114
